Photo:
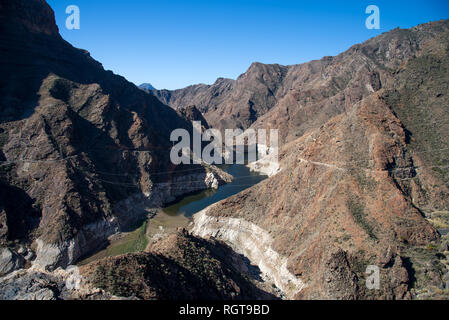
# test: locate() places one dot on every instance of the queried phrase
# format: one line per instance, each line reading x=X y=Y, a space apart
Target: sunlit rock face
x=363 y=165
x=364 y=173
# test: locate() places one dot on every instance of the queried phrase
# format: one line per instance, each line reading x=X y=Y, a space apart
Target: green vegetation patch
x=428 y=266
x=136 y=241
x=358 y=213
x=132 y=242
x=187 y=268
x=440 y=219
x=421 y=102
x=365 y=181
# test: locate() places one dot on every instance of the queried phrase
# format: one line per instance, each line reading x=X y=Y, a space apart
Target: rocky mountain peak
x=147 y=86
x=78 y=144
x=362 y=179
x=34 y=16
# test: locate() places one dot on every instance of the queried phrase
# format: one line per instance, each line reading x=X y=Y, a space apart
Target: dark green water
x=191 y=204
x=174 y=216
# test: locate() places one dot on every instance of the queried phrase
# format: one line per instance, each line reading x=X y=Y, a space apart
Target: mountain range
x=362 y=177
x=80 y=146
x=363 y=162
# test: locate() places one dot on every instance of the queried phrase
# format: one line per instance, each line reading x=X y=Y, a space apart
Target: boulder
x=9 y=261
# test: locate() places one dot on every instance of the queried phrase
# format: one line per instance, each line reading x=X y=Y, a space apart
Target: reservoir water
x=191 y=204
x=178 y=214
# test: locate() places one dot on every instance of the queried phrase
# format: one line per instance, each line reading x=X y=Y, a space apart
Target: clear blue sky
x=173 y=44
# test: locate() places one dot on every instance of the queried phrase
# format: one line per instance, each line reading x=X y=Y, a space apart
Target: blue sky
x=173 y=44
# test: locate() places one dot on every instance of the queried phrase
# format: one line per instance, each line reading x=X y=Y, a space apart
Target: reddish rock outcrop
x=354 y=190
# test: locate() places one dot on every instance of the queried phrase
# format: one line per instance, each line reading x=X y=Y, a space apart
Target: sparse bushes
x=358 y=212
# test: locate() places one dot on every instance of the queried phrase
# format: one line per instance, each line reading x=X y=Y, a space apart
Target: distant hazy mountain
x=147 y=86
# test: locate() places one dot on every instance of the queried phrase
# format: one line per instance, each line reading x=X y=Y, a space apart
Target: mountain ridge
x=359 y=185
x=254 y=101
x=363 y=181
x=79 y=145
x=147 y=87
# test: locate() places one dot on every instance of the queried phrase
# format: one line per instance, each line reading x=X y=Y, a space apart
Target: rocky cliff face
x=254 y=243
x=75 y=140
x=29 y=16
x=363 y=166
x=354 y=190
x=329 y=204
x=229 y=104
x=178 y=267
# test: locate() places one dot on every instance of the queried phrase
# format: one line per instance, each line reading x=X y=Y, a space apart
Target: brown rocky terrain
x=342 y=213
x=180 y=267
x=231 y=103
x=363 y=177
x=77 y=143
x=356 y=190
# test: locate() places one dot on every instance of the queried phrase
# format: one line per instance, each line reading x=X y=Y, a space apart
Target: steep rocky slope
x=180 y=267
x=355 y=190
x=363 y=165
x=229 y=103
x=79 y=145
x=301 y=97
